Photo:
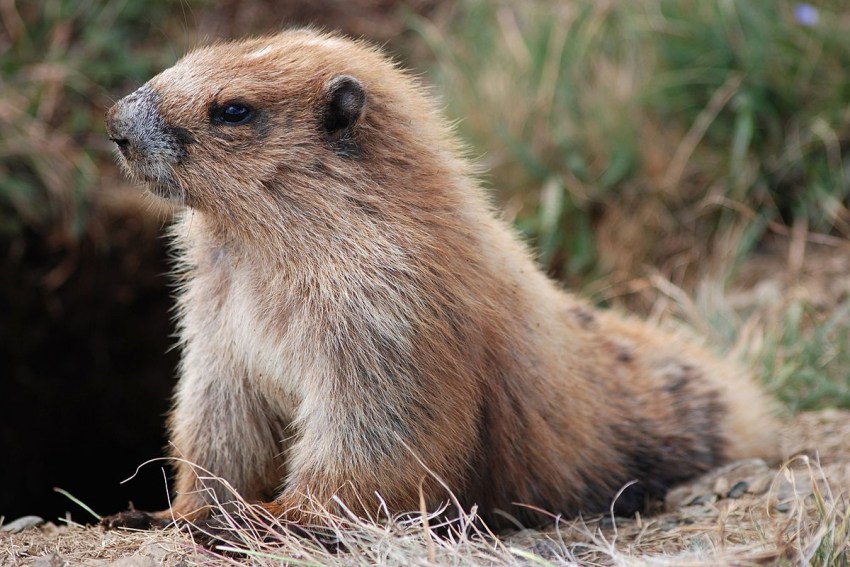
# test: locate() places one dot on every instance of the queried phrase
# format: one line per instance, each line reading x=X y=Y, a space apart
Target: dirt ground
x=747 y=513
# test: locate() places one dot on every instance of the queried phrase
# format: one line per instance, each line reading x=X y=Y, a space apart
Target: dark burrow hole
x=85 y=371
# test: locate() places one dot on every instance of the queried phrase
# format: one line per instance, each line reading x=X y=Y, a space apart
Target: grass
x=630 y=122
x=59 y=63
x=550 y=67
x=637 y=131
x=799 y=518
x=819 y=530
x=808 y=367
x=785 y=311
x=657 y=146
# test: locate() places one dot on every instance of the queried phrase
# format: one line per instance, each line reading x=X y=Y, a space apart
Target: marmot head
x=272 y=120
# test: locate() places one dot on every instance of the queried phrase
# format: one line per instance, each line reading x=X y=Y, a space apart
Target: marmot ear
x=345 y=101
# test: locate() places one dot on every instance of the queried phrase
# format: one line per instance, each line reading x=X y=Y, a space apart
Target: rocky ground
x=746 y=513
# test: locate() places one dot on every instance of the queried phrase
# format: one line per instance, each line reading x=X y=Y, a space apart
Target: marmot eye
x=233 y=114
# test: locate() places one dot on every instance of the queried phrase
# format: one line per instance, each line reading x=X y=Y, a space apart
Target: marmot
x=354 y=318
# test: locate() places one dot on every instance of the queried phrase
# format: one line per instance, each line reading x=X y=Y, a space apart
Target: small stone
x=52 y=560
x=793 y=485
x=133 y=561
x=721 y=486
x=738 y=490
x=21 y=524
x=606 y=522
x=703 y=499
x=676 y=497
x=783 y=507
x=718 y=482
x=760 y=484
x=544 y=549
x=158 y=552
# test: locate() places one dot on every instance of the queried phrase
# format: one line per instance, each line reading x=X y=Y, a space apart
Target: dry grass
x=795 y=515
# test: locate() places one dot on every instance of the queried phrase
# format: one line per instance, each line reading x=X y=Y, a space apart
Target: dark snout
x=121 y=124
x=149 y=147
x=117 y=134
x=138 y=130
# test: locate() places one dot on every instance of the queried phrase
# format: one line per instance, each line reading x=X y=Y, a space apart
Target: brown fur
x=354 y=318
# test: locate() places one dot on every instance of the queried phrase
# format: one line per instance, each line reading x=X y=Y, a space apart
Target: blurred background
x=683 y=159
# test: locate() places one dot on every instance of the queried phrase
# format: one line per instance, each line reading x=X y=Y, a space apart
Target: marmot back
x=354 y=318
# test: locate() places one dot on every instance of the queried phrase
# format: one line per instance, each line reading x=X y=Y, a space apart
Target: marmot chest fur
x=354 y=318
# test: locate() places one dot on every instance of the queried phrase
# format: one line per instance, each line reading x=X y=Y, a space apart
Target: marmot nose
x=122 y=143
x=121 y=129
x=115 y=131
x=140 y=134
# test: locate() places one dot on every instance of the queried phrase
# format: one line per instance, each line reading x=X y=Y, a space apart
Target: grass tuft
x=59 y=62
x=78 y=502
x=630 y=122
